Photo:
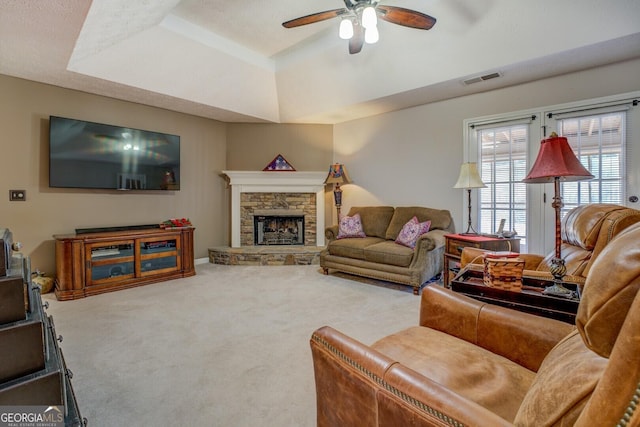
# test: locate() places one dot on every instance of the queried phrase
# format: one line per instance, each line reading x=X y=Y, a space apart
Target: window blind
x=599 y=141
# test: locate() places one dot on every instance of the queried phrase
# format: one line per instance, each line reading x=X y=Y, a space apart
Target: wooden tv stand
x=94 y=263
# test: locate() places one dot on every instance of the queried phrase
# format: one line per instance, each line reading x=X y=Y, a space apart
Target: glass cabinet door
x=108 y=262
x=159 y=255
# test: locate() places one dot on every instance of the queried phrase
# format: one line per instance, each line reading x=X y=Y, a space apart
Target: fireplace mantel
x=275 y=182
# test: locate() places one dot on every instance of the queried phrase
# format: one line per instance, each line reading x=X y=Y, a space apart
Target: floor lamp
x=556 y=162
x=469 y=179
x=337 y=176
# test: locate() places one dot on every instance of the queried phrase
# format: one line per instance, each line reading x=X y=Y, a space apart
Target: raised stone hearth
x=265 y=255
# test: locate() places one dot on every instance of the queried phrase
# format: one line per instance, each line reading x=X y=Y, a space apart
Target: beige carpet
x=227 y=347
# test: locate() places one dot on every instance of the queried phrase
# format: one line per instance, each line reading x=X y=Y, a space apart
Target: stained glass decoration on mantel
x=279 y=163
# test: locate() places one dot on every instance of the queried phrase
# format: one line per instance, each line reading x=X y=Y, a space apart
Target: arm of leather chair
x=358 y=386
x=521 y=337
x=531 y=261
x=471 y=255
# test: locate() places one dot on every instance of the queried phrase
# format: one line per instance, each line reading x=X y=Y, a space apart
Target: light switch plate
x=17 y=195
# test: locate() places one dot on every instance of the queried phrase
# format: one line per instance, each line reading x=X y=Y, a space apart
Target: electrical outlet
x=17 y=195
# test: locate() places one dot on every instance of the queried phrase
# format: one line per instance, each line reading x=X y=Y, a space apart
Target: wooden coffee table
x=531 y=299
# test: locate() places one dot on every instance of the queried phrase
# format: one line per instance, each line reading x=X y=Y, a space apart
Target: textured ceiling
x=233 y=61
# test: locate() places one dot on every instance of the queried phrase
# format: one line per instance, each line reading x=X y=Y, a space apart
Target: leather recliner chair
x=586 y=230
x=472 y=363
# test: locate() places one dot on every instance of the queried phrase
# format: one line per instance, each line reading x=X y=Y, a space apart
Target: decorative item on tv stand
x=337 y=176
x=557 y=162
x=469 y=179
x=176 y=223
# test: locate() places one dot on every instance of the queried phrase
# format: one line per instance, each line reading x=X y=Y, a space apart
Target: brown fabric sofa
x=475 y=364
x=586 y=230
x=378 y=256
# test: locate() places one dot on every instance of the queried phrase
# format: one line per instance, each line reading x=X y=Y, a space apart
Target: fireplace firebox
x=278 y=230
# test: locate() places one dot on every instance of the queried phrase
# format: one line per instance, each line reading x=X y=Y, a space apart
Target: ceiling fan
x=359 y=20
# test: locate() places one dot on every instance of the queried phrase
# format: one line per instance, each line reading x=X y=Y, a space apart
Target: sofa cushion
x=471 y=371
x=352 y=248
x=390 y=253
x=375 y=219
x=350 y=226
x=440 y=219
x=413 y=229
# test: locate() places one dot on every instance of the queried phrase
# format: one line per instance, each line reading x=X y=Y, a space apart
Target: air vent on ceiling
x=481 y=78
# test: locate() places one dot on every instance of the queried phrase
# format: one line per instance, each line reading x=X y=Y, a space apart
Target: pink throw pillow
x=350 y=226
x=411 y=231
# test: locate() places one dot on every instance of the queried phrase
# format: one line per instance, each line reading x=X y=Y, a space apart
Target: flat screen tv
x=93 y=155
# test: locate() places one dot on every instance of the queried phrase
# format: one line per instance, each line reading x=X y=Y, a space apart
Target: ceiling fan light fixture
x=359 y=21
x=371 y=35
x=346 y=29
x=369 y=18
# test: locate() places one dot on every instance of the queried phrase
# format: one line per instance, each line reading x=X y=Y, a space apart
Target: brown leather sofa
x=586 y=230
x=378 y=256
x=475 y=364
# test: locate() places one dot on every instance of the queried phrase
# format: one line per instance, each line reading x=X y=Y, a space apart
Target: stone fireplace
x=277 y=194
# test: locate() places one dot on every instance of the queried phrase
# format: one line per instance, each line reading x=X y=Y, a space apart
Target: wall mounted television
x=93 y=155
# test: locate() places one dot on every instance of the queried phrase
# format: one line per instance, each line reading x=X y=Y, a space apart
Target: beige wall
x=308 y=147
x=413 y=156
x=252 y=146
x=25 y=108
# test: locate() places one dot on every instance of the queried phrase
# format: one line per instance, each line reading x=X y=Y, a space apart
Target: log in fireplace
x=278 y=230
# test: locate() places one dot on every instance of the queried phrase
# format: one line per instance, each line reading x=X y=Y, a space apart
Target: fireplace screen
x=278 y=230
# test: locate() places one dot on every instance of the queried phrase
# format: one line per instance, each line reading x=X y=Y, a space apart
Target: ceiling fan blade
x=357 y=41
x=314 y=17
x=407 y=17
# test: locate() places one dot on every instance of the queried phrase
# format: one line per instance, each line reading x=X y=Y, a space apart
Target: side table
x=454 y=243
x=530 y=300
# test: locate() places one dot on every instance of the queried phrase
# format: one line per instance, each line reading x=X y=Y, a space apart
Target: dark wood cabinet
x=94 y=263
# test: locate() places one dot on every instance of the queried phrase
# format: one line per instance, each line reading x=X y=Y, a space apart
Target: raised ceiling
x=233 y=61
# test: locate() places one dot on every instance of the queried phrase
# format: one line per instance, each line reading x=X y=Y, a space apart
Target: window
x=599 y=142
x=503 y=166
x=603 y=134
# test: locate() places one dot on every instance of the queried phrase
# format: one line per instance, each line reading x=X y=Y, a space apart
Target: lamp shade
x=337 y=175
x=556 y=159
x=469 y=177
